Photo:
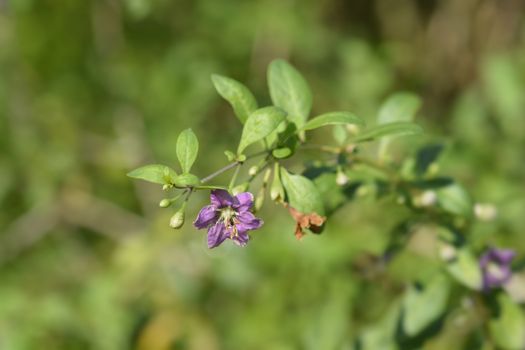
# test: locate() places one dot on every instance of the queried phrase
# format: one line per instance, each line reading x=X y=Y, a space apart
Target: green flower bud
x=341 y=179
x=267 y=176
x=485 y=211
x=277 y=189
x=426 y=199
x=253 y=170
x=165 y=203
x=259 y=200
x=240 y=188
x=177 y=220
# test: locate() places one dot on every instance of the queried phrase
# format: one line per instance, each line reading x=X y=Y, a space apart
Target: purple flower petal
x=243 y=201
x=207 y=216
x=221 y=198
x=241 y=239
x=496 y=276
x=484 y=260
x=217 y=234
x=495 y=265
x=246 y=221
x=503 y=256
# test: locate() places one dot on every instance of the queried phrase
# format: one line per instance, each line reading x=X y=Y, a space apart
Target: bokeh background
x=92 y=89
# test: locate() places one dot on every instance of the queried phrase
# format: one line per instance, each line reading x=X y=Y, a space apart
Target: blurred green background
x=92 y=89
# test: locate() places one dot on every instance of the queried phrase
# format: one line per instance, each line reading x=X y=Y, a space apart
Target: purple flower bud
x=495 y=266
x=228 y=217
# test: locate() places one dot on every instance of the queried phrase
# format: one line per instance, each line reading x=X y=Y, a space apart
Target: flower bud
x=352 y=129
x=177 y=220
x=259 y=200
x=277 y=189
x=253 y=170
x=240 y=188
x=428 y=198
x=485 y=211
x=447 y=252
x=164 y=203
x=341 y=179
x=425 y=199
x=267 y=176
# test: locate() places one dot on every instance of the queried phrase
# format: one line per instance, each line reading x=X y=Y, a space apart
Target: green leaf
x=455 y=199
x=399 y=107
x=184 y=180
x=507 y=327
x=187 y=149
x=422 y=306
x=156 y=173
x=332 y=194
x=259 y=125
x=463 y=266
x=391 y=129
x=277 y=189
x=333 y=118
x=238 y=95
x=340 y=134
x=427 y=156
x=281 y=153
x=381 y=334
x=290 y=91
x=302 y=194
x=230 y=155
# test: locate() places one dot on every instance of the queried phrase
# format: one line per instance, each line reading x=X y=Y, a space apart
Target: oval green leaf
x=238 y=95
x=259 y=125
x=399 y=107
x=290 y=91
x=464 y=267
x=187 y=180
x=156 y=173
x=281 y=153
x=507 y=327
x=422 y=306
x=391 y=129
x=454 y=199
x=333 y=118
x=187 y=149
x=302 y=194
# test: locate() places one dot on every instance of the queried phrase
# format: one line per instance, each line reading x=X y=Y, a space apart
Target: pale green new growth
x=239 y=96
x=259 y=125
x=187 y=149
x=290 y=91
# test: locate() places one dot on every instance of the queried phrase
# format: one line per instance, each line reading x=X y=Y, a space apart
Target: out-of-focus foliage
x=92 y=89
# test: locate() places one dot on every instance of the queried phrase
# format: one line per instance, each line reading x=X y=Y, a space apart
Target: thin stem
x=220 y=171
x=188 y=192
x=263 y=163
x=376 y=165
x=322 y=148
x=231 y=166
x=234 y=178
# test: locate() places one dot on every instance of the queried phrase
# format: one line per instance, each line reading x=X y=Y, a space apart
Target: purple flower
x=228 y=217
x=495 y=266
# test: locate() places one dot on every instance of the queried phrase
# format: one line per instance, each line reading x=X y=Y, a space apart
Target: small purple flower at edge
x=228 y=217
x=495 y=267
